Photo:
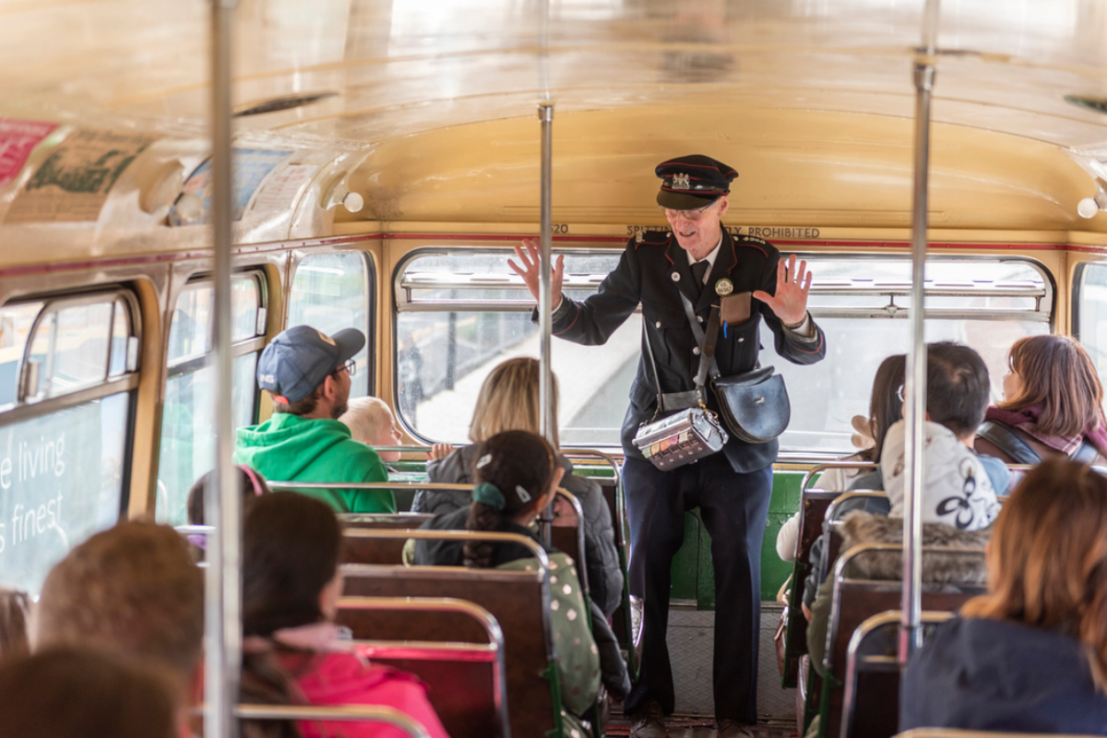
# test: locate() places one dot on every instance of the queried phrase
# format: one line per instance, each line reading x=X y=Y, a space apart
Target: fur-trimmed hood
x=938 y=568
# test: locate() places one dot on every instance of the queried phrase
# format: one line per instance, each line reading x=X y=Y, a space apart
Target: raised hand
x=440 y=451
x=530 y=258
x=792 y=285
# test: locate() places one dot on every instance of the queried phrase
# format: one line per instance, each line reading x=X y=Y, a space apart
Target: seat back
x=519 y=600
x=854 y=601
x=356 y=550
x=813 y=506
x=465 y=676
x=872 y=674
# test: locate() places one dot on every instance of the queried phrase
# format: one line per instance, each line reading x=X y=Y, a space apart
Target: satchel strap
x=1009 y=442
x=706 y=341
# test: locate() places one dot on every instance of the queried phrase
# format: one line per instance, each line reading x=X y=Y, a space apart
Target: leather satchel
x=754 y=405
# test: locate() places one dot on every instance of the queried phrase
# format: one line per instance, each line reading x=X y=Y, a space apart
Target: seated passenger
x=885 y=408
x=1053 y=405
x=308 y=375
x=517 y=473
x=14 y=610
x=508 y=400
x=131 y=590
x=1031 y=655
x=958 y=506
x=292 y=653
x=78 y=693
x=371 y=422
x=251 y=485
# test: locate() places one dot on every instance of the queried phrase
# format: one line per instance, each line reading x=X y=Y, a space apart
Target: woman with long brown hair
x=1053 y=405
x=292 y=651
x=1031 y=654
x=508 y=400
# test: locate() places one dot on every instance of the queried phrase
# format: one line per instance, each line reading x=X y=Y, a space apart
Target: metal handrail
x=452 y=604
x=342 y=713
x=863 y=631
x=822 y=466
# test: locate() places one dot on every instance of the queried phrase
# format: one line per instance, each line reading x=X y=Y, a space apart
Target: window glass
x=15 y=327
x=1091 y=306
x=190 y=332
x=331 y=292
x=61 y=479
x=124 y=353
x=460 y=314
x=187 y=449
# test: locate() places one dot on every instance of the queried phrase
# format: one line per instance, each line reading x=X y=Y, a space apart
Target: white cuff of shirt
x=805 y=331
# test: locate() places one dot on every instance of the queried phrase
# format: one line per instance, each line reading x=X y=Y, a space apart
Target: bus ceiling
x=376 y=111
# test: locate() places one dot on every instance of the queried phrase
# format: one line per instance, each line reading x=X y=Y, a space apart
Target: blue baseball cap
x=298 y=359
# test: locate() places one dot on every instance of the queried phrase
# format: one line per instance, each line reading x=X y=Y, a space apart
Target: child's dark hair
x=513 y=472
x=250 y=484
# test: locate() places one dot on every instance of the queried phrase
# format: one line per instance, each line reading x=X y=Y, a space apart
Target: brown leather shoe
x=649 y=723
x=732 y=729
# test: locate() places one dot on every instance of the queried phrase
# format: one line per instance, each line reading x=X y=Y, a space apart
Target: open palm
x=792 y=285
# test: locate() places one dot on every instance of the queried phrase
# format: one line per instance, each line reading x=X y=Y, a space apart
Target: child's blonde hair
x=367 y=418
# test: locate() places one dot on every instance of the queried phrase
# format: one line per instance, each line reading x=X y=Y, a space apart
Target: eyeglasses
x=350 y=367
x=692 y=215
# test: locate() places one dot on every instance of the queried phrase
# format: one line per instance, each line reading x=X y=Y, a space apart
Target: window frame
x=372 y=299
x=1078 y=276
x=403 y=301
x=126 y=383
x=238 y=348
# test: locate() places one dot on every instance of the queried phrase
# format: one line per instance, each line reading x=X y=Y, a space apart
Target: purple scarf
x=1026 y=420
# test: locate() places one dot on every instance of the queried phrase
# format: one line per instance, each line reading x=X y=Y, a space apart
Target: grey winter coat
x=605 y=576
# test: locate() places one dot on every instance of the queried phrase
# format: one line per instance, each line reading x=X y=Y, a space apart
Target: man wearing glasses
x=308 y=375
x=701 y=260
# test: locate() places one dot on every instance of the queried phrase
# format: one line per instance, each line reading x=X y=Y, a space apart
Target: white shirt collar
x=710 y=259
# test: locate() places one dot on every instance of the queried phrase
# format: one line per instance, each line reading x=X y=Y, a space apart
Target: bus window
x=460 y=314
x=63 y=436
x=187 y=423
x=1089 y=304
x=862 y=305
x=331 y=292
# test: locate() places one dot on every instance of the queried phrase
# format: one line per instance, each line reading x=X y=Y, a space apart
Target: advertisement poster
x=250 y=167
x=73 y=183
x=17 y=139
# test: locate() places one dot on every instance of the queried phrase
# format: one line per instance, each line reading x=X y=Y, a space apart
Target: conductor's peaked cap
x=690 y=182
x=297 y=360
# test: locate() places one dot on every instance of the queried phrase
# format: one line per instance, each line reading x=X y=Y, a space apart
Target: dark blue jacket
x=980 y=674
x=654 y=272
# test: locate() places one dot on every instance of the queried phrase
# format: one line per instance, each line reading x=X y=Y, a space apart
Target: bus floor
x=690 y=638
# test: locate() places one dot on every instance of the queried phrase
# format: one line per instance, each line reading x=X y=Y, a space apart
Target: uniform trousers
x=734 y=507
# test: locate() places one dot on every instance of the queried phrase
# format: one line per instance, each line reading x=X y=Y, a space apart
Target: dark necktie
x=699 y=270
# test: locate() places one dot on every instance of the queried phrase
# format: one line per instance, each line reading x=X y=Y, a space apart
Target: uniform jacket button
x=657 y=324
x=699 y=318
x=696 y=350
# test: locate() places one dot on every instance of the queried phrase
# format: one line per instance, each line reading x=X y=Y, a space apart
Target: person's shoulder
x=649 y=241
x=754 y=246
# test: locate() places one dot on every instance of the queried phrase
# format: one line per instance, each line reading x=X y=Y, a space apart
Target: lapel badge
x=724 y=287
x=638 y=237
x=681 y=182
x=676 y=276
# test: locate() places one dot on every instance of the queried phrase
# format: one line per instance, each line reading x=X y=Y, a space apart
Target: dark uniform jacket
x=645 y=275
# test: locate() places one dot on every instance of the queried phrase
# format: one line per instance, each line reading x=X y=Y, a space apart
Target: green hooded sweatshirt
x=288 y=448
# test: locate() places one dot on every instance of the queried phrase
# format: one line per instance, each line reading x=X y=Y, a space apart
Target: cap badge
x=680 y=182
x=326 y=338
x=724 y=287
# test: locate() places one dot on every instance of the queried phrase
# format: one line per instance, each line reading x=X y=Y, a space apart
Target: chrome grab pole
x=547 y=420
x=223 y=628
x=915 y=389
